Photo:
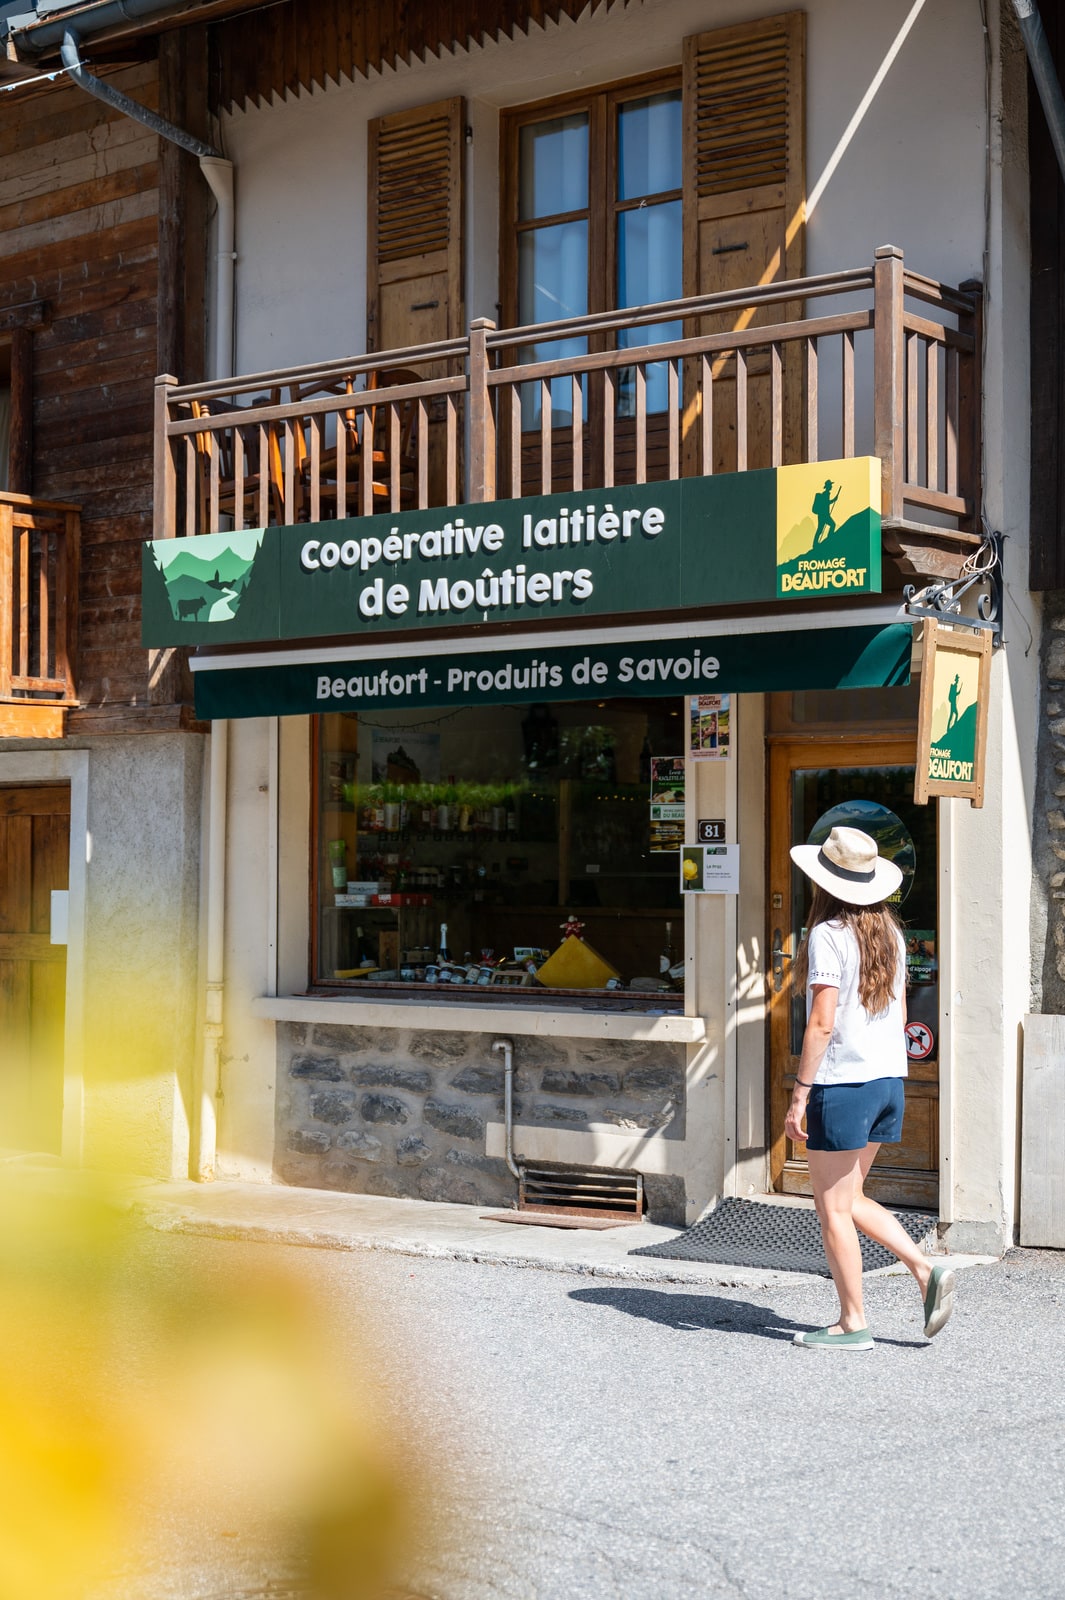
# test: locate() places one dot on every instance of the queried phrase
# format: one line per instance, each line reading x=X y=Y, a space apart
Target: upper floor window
x=592 y=209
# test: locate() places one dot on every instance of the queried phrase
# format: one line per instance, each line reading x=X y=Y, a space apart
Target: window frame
x=601 y=102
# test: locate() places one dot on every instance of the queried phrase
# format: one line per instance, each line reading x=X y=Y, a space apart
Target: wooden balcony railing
x=39 y=551
x=876 y=361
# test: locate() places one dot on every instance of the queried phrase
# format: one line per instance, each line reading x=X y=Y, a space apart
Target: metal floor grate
x=751 y=1233
x=588 y=1191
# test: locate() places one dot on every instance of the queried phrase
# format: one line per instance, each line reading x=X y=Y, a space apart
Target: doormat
x=749 y=1233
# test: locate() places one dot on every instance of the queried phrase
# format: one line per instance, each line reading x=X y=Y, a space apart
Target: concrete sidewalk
x=326 y=1220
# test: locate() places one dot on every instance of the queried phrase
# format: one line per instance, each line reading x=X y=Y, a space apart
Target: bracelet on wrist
x=800 y=1085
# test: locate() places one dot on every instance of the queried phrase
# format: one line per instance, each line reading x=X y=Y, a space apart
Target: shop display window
x=498 y=850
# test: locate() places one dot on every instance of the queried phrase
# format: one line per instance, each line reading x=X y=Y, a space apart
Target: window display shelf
x=484 y=1016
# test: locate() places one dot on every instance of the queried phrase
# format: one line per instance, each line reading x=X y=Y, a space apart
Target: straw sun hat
x=848 y=866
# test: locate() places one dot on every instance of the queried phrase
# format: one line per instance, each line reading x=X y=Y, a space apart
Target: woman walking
x=849 y=1086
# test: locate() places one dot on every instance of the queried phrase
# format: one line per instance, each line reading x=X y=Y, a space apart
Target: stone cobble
x=1049 y=900
x=405 y=1112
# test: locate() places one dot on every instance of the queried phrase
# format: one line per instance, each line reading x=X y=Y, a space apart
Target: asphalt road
x=590 y=1440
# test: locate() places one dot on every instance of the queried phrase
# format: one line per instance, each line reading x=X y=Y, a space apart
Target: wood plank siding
x=303 y=44
x=79 y=231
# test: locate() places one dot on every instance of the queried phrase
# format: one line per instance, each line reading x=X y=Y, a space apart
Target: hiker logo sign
x=952 y=724
x=828 y=529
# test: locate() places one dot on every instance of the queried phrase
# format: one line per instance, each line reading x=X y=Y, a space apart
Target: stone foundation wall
x=1048 y=932
x=404 y=1112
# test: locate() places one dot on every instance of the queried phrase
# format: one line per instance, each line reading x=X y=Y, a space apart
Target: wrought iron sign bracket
x=942 y=601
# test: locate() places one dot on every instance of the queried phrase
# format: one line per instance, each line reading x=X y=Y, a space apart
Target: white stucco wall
x=890 y=178
x=132 y=993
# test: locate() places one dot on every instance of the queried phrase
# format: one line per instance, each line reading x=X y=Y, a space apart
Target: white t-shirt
x=861 y=1047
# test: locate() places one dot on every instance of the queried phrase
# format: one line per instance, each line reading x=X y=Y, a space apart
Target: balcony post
x=164 y=519
x=969 y=405
x=889 y=383
x=68 y=592
x=482 y=473
x=7 y=595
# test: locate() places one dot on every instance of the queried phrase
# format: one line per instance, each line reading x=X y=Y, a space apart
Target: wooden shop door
x=34 y=860
x=813 y=787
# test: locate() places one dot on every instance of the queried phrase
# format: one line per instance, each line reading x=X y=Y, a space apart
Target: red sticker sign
x=919 y=1041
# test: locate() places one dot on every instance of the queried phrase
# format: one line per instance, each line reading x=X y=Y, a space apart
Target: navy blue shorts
x=848 y=1116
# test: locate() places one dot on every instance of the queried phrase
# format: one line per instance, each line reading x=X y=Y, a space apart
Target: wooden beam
x=32 y=721
x=20 y=458
x=29 y=314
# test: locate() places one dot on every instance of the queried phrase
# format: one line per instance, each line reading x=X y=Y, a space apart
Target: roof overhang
x=34 y=34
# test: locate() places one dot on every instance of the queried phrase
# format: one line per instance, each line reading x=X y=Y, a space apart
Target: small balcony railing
x=878 y=360
x=39 y=550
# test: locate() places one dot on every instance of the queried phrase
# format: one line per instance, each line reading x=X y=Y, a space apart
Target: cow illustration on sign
x=823 y=505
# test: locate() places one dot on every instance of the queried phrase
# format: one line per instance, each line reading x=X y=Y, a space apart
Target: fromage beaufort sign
x=672 y=546
x=952 y=720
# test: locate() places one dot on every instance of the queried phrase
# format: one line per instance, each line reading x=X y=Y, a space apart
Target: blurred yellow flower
x=139 y=1406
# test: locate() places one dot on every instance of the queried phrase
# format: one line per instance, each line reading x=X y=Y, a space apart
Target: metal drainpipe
x=218 y=173
x=118 y=101
x=507 y=1047
x=1045 y=74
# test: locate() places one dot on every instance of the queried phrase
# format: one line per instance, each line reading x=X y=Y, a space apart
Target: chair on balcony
x=220 y=444
x=370 y=424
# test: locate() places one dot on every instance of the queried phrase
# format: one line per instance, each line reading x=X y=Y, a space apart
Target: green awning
x=857 y=657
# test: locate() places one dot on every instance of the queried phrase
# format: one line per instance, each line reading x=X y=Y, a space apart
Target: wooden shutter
x=744 y=182
x=415 y=266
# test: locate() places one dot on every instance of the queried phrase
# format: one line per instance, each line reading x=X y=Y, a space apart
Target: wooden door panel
x=905 y=1173
x=50 y=851
x=16 y=844
x=34 y=857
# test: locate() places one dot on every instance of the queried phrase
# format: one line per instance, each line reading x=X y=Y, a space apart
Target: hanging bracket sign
x=952 y=720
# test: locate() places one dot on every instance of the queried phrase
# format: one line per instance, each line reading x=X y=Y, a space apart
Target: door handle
x=780 y=955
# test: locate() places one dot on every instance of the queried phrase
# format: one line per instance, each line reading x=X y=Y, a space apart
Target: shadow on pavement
x=696 y=1313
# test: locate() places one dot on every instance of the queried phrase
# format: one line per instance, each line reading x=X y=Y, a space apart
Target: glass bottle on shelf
x=338 y=856
x=443 y=954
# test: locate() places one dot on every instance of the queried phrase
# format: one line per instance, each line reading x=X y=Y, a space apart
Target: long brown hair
x=876 y=929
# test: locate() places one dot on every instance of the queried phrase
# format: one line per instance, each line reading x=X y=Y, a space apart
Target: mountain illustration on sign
x=954 y=724
x=208 y=585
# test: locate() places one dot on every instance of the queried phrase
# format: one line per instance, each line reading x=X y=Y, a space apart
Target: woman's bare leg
x=879 y=1224
x=836 y=1177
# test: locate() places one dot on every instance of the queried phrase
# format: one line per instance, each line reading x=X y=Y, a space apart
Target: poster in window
x=708 y=727
x=667 y=804
x=921 y=964
x=402 y=756
x=667 y=780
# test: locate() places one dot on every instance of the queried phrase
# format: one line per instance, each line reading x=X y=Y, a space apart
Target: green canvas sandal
x=938 y=1300
x=821 y=1339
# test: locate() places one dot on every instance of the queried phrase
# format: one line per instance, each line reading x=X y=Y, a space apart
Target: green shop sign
x=827 y=658
x=803 y=532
